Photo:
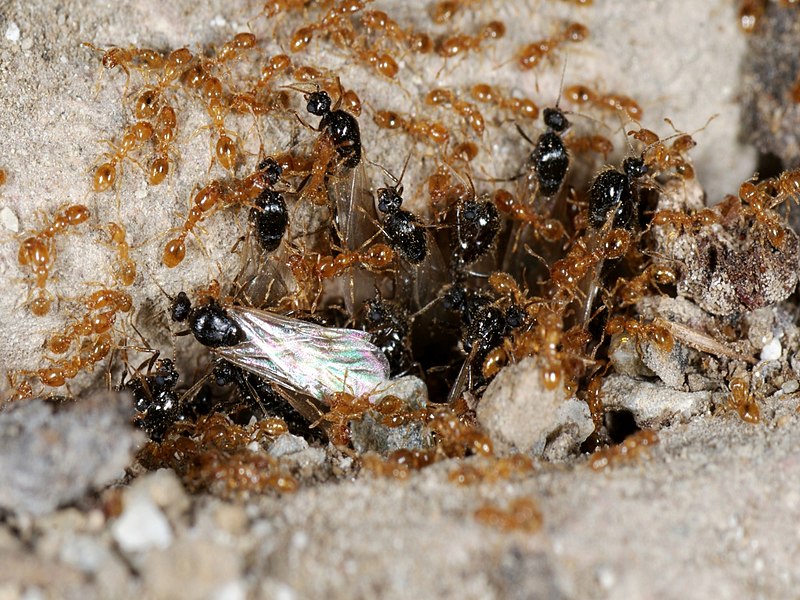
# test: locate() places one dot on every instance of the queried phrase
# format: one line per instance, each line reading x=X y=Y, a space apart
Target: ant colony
x=354 y=275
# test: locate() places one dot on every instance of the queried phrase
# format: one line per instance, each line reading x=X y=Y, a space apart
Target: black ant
x=270 y=217
x=550 y=159
x=339 y=125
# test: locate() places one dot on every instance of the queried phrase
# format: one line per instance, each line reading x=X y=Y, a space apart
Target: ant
x=550 y=159
x=125 y=271
x=302 y=37
x=143 y=59
x=659 y=158
x=376 y=257
x=742 y=400
x=758 y=204
x=590 y=143
x=166 y=123
x=419 y=129
x=134 y=137
x=378 y=20
x=648 y=332
x=612 y=198
x=38 y=252
x=155 y=398
x=630 y=292
x=445 y=97
x=477 y=226
x=524 y=107
x=444 y=10
x=339 y=126
x=458 y=44
x=531 y=55
x=550 y=230
x=148 y=102
x=633 y=446
x=580 y=94
x=93 y=322
x=244 y=101
x=401 y=227
x=388 y=323
x=269 y=217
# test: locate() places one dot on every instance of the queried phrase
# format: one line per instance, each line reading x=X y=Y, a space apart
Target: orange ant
x=248 y=100
x=531 y=55
x=208 y=198
x=204 y=201
x=273 y=8
x=524 y=107
x=758 y=204
x=648 y=332
x=164 y=136
x=441 y=97
x=458 y=44
x=38 y=252
x=147 y=103
x=590 y=143
x=106 y=174
x=522 y=513
x=125 y=271
x=580 y=94
x=444 y=10
x=419 y=129
x=93 y=322
x=742 y=400
x=234 y=48
x=303 y=36
x=690 y=222
x=633 y=446
x=377 y=257
x=551 y=230
x=143 y=59
x=3 y=177
x=377 y=20
x=630 y=292
x=659 y=158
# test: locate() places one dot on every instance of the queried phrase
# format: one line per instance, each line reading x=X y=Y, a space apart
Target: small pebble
x=141 y=526
x=772 y=351
x=12 y=32
x=790 y=386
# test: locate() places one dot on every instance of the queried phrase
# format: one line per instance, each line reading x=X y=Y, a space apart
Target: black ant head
x=181 y=307
x=272 y=170
x=389 y=200
x=555 y=119
x=634 y=167
x=319 y=103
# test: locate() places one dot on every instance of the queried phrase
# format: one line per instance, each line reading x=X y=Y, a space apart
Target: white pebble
x=790 y=387
x=9 y=219
x=772 y=351
x=141 y=526
x=12 y=32
x=27 y=43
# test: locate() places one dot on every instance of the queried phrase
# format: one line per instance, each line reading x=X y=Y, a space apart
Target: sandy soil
x=707 y=511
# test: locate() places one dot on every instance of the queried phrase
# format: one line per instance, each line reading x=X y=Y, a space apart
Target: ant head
x=181 y=307
x=555 y=119
x=319 y=103
x=272 y=170
x=634 y=167
x=389 y=200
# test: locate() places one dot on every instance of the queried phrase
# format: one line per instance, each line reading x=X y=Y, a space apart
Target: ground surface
x=710 y=511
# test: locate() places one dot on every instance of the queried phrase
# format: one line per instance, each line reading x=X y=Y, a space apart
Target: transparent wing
x=307 y=358
x=355 y=207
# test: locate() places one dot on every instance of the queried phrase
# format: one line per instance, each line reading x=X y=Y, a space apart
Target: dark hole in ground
x=620 y=424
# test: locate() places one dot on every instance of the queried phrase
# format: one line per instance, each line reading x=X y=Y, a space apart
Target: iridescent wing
x=305 y=357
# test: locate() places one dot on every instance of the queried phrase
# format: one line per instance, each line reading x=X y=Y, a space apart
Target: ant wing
x=310 y=359
x=355 y=207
